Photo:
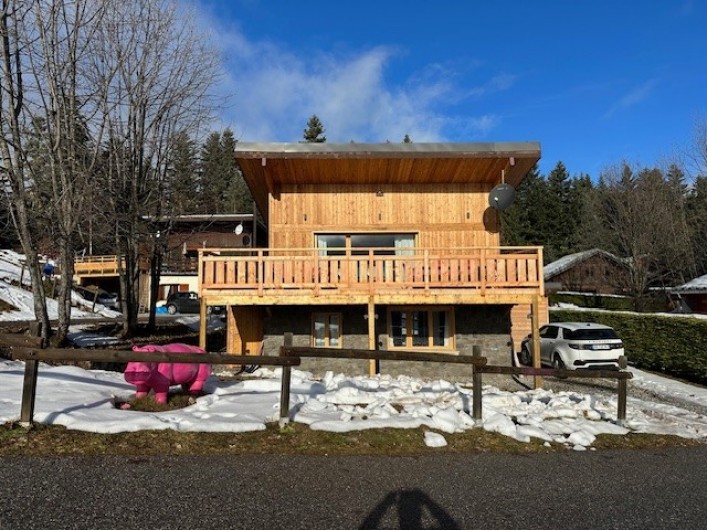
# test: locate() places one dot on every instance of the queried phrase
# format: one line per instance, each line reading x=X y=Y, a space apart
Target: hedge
x=673 y=345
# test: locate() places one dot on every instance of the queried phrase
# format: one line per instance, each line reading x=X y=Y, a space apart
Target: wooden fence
x=29 y=349
x=476 y=361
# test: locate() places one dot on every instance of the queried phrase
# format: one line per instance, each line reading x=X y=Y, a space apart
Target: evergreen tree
x=183 y=185
x=222 y=188
x=314 y=133
x=696 y=215
x=407 y=139
x=237 y=198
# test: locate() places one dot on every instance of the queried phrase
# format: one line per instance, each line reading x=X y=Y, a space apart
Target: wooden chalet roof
x=267 y=167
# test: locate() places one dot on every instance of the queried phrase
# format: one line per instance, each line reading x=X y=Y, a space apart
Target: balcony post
x=373 y=364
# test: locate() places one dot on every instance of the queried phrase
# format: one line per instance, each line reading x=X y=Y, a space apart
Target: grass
x=42 y=440
x=294 y=438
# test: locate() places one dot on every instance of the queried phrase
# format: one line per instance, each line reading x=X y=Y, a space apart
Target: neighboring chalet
x=694 y=294
x=184 y=236
x=593 y=271
x=378 y=246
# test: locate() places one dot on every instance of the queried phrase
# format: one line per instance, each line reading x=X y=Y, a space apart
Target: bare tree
x=15 y=168
x=154 y=71
x=645 y=223
x=64 y=111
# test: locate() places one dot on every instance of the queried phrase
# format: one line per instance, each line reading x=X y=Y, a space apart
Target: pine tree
x=314 y=133
x=223 y=189
x=183 y=185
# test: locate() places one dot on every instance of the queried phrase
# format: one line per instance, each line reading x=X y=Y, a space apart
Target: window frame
x=326 y=317
x=450 y=336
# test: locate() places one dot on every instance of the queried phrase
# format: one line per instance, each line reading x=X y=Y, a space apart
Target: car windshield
x=590 y=334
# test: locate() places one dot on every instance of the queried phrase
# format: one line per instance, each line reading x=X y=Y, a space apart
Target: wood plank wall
x=450 y=215
x=520 y=320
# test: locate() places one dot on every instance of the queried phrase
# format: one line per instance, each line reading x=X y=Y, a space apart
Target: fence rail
x=476 y=361
x=28 y=348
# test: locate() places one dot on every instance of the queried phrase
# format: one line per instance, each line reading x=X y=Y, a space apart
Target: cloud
x=634 y=97
x=273 y=91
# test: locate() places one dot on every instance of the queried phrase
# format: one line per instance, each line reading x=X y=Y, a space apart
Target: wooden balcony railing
x=373 y=270
x=108 y=265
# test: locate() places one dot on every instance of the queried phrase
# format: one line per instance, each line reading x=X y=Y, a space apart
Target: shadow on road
x=415 y=510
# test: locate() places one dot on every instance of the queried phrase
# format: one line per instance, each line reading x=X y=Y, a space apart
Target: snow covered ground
x=85 y=400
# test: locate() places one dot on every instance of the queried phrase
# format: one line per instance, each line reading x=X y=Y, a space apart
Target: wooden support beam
x=373 y=364
x=534 y=330
x=203 y=323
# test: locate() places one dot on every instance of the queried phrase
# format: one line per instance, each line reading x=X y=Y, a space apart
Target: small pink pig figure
x=160 y=376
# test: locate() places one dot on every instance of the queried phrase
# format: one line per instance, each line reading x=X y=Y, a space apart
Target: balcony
x=351 y=276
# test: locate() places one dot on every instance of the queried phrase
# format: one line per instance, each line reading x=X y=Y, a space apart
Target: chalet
x=592 y=271
x=694 y=294
x=378 y=246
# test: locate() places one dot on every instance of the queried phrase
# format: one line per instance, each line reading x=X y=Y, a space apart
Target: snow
x=88 y=400
x=696 y=285
x=566 y=262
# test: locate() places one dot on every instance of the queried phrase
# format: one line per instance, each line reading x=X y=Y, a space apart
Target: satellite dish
x=501 y=197
x=239 y=229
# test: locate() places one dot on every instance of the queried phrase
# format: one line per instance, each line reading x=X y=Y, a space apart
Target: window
x=421 y=328
x=326 y=330
x=548 y=332
x=338 y=244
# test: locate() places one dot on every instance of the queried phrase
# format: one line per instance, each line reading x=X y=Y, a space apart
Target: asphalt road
x=665 y=488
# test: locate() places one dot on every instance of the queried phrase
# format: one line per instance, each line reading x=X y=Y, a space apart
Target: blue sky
x=595 y=82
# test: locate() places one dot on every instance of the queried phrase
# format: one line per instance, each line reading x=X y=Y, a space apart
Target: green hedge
x=673 y=345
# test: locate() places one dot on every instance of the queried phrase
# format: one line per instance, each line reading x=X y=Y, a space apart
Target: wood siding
x=449 y=216
x=521 y=323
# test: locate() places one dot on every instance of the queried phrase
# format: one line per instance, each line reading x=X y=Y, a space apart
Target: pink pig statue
x=160 y=376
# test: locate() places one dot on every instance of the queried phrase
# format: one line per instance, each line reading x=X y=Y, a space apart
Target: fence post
x=285 y=386
x=476 y=382
x=623 y=383
x=29 y=384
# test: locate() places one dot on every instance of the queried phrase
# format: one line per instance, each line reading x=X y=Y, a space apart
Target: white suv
x=573 y=345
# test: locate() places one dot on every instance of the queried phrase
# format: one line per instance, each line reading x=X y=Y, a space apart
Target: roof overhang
x=267 y=167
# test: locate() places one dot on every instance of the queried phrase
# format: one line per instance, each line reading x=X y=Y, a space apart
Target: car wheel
x=557 y=362
x=525 y=358
x=172 y=309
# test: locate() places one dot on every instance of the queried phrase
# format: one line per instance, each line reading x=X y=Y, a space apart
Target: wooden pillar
x=534 y=330
x=476 y=387
x=203 y=323
x=29 y=384
x=285 y=386
x=373 y=364
x=622 y=390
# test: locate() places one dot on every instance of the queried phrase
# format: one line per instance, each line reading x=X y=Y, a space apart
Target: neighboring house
x=593 y=271
x=378 y=246
x=694 y=294
x=183 y=235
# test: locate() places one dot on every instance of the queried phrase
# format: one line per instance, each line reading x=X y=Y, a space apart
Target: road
x=661 y=488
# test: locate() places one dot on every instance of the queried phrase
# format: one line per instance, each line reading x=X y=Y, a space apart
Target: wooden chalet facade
x=378 y=246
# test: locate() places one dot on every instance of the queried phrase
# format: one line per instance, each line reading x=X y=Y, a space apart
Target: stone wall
x=487 y=326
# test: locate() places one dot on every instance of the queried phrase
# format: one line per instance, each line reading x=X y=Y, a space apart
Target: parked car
x=101 y=296
x=573 y=345
x=187 y=302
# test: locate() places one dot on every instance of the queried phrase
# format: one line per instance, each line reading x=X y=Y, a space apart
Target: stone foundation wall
x=486 y=326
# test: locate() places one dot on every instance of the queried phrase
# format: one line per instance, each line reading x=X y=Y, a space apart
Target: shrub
x=673 y=345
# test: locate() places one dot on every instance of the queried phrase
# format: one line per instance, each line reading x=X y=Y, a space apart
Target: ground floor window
x=326 y=330
x=421 y=328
